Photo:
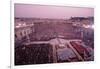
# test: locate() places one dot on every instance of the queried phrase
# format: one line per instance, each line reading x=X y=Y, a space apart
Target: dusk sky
x=59 y=12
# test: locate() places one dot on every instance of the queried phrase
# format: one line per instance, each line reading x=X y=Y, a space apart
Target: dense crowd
x=85 y=52
x=48 y=31
x=33 y=54
x=43 y=53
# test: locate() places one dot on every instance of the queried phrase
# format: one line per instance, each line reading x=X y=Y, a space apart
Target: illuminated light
x=92 y=26
x=88 y=26
x=24 y=24
x=19 y=24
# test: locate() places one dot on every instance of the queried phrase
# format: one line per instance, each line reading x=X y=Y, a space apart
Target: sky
x=47 y=11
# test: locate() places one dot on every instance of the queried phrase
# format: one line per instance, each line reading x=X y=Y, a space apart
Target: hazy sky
x=41 y=11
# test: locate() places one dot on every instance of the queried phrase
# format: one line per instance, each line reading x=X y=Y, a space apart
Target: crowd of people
x=48 y=31
x=33 y=54
x=43 y=53
x=84 y=51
